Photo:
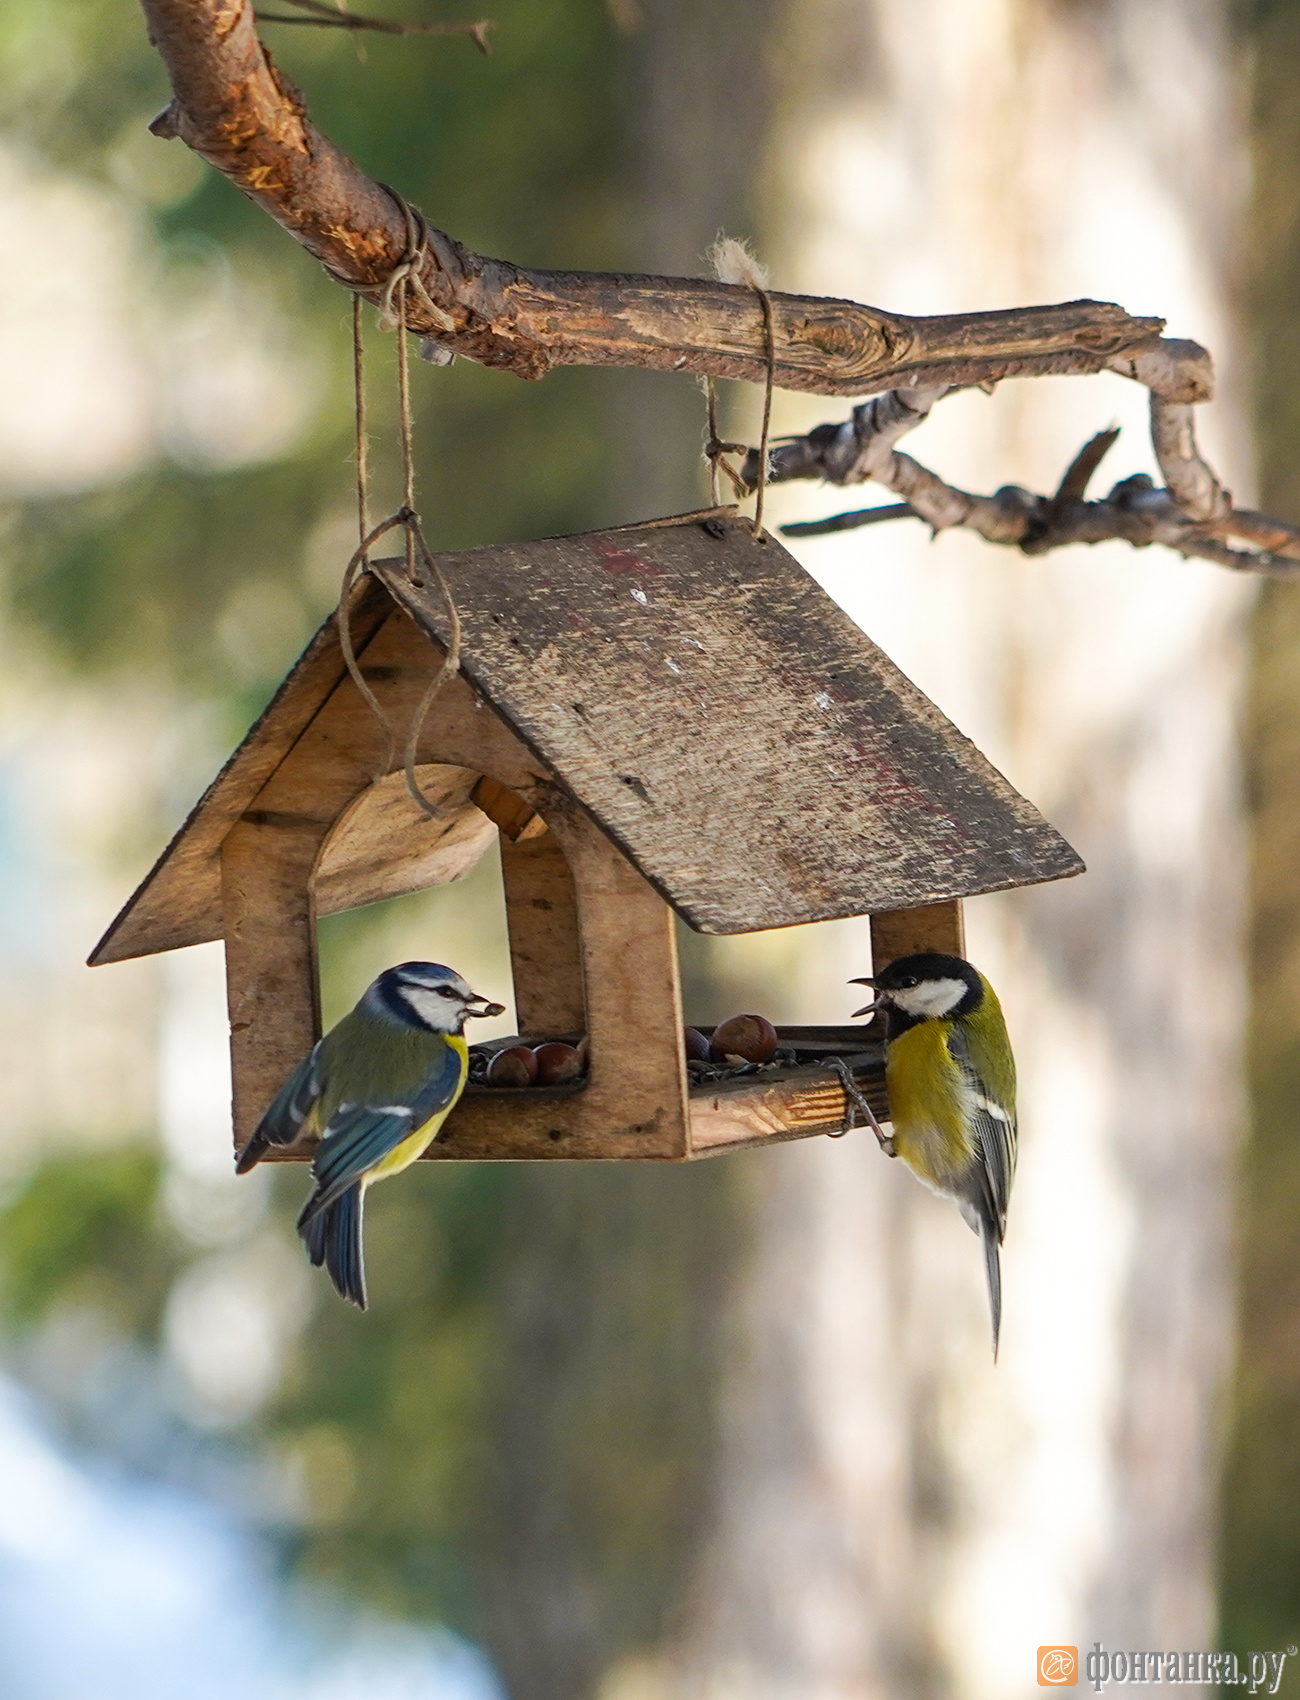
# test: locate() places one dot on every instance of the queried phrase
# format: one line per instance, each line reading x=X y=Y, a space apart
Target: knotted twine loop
x=716 y=450
x=405 y=275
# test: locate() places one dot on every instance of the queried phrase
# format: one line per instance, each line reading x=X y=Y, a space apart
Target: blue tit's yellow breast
x=415 y=1144
x=928 y=1104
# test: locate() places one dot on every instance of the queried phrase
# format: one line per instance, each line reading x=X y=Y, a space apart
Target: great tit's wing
x=360 y=1135
x=994 y=1128
x=292 y=1104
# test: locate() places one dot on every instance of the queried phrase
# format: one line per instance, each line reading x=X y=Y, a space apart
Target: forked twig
x=322 y=16
x=1191 y=513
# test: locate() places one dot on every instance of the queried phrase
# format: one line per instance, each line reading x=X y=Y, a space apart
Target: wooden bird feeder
x=658 y=718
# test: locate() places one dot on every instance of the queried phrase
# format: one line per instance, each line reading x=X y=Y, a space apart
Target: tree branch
x=1193 y=514
x=235 y=109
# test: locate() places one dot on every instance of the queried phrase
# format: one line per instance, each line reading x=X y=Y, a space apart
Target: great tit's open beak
x=871 y=1008
x=487 y=1009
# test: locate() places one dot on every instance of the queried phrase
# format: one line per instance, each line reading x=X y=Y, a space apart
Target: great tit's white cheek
x=932 y=999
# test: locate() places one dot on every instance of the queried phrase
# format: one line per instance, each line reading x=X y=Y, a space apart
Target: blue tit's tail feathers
x=332 y=1235
x=993 y=1269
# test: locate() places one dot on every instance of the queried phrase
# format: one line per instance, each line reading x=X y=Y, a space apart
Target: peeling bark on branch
x=1192 y=514
x=235 y=109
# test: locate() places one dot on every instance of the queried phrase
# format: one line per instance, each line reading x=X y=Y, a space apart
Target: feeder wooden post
x=542 y=920
x=903 y=932
x=272 y=984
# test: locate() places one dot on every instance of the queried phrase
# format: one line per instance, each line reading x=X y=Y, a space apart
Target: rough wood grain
x=726 y=723
x=383 y=847
x=272 y=983
x=735 y=678
x=545 y=950
x=178 y=902
x=634 y=1102
x=768 y=1110
x=514 y=817
x=235 y=109
x=938 y=926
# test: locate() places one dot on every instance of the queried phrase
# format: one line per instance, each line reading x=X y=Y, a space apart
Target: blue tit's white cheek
x=931 y=1000
x=434 y=1008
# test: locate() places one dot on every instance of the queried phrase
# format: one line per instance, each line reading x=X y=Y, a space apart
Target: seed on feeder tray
x=557 y=1063
x=515 y=1067
x=584 y=1051
x=745 y=1038
x=697 y=1046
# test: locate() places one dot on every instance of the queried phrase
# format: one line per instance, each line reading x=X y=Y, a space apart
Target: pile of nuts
x=745 y=1042
x=743 y=1039
x=551 y=1064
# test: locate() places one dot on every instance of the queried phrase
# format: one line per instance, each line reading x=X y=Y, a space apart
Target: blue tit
x=375 y=1091
x=951 y=1079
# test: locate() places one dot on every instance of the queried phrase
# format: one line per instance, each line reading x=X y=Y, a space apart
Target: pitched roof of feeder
x=719 y=716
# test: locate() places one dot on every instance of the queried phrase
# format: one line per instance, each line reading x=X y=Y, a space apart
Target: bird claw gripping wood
x=854 y=1102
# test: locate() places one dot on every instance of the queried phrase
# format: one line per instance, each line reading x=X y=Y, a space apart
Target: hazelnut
x=515 y=1067
x=557 y=1063
x=751 y=1038
x=697 y=1046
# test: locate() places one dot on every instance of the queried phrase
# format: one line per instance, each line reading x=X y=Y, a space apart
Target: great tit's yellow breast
x=928 y=1104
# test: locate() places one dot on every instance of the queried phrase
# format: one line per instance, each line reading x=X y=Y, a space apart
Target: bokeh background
x=614 y=1433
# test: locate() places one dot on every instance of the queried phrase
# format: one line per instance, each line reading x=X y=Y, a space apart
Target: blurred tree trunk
x=613 y=1307
x=896 y=1517
x=840 y=1497
x=1261 y=1561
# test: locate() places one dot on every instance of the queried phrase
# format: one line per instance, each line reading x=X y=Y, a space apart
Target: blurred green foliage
x=1260 y=1601
x=84 y=1230
x=517 y=153
x=515 y=1439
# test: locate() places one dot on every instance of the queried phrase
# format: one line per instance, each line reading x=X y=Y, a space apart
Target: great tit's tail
x=993 y=1270
x=332 y=1235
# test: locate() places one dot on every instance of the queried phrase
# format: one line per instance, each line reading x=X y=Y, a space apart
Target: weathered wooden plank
x=902 y=932
x=545 y=950
x=383 y=846
x=272 y=984
x=179 y=901
x=769 y=1109
x=751 y=750
x=668 y=677
x=510 y=813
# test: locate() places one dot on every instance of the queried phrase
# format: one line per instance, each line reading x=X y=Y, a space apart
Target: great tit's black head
x=425 y=994
x=928 y=986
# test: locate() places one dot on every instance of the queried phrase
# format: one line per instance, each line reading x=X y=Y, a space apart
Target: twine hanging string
x=716 y=450
x=405 y=275
x=770 y=336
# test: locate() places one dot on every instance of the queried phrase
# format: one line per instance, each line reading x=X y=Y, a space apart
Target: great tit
x=951 y=1079
x=376 y=1091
